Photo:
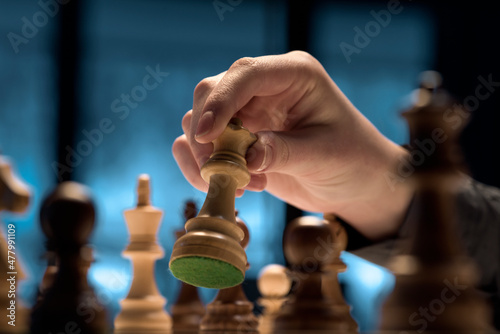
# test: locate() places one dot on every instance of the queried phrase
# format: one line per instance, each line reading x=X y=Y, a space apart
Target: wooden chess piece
x=70 y=304
x=143 y=309
x=274 y=284
x=231 y=311
x=330 y=283
x=188 y=309
x=307 y=307
x=434 y=289
x=209 y=254
x=14 y=197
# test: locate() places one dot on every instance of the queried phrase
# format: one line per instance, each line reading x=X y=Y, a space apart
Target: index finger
x=245 y=79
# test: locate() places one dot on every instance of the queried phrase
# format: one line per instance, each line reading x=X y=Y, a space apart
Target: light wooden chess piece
x=188 y=309
x=308 y=308
x=67 y=218
x=210 y=254
x=274 y=284
x=231 y=311
x=330 y=284
x=435 y=281
x=143 y=309
x=14 y=197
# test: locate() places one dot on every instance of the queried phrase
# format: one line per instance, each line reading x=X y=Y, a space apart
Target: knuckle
x=204 y=87
x=244 y=62
x=302 y=56
x=305 y=60
x=179 y=146
x=186 y=121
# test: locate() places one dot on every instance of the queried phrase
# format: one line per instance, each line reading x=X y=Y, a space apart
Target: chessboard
x=304 y=296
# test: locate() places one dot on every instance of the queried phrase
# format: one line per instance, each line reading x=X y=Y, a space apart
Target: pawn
x=70 y=304
x=330 y=283
x=274 y=285
x=231 y=310
x=143 y=309
x=188 y=310
x=308 y=308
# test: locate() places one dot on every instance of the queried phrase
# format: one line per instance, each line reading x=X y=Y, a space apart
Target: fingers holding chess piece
x=67 y=219
x=210 y=254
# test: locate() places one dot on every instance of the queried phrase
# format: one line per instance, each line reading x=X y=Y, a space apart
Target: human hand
x=315 y=150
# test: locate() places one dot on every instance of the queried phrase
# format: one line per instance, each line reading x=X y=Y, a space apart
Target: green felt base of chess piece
x=206 y=272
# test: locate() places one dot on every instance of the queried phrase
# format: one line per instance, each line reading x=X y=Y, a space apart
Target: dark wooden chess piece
x=330 y=284
x=435 y=281
x=231 y=311
x=308 y=308
x=209 y=254
x=49 y=274
x=70 y=305
x=188 y=309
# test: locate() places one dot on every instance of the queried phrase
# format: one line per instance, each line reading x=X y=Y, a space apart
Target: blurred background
x=94 y=91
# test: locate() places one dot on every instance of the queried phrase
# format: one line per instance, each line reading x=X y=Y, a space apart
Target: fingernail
x=205 y=124
x=268 y=154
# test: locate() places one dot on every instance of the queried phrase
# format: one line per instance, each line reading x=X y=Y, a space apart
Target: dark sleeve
x=478 y=218
x=478 y=226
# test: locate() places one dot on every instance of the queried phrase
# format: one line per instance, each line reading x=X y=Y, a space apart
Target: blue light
x=366 y=287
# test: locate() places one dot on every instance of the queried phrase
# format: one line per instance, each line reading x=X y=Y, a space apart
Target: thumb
x=285 y=152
